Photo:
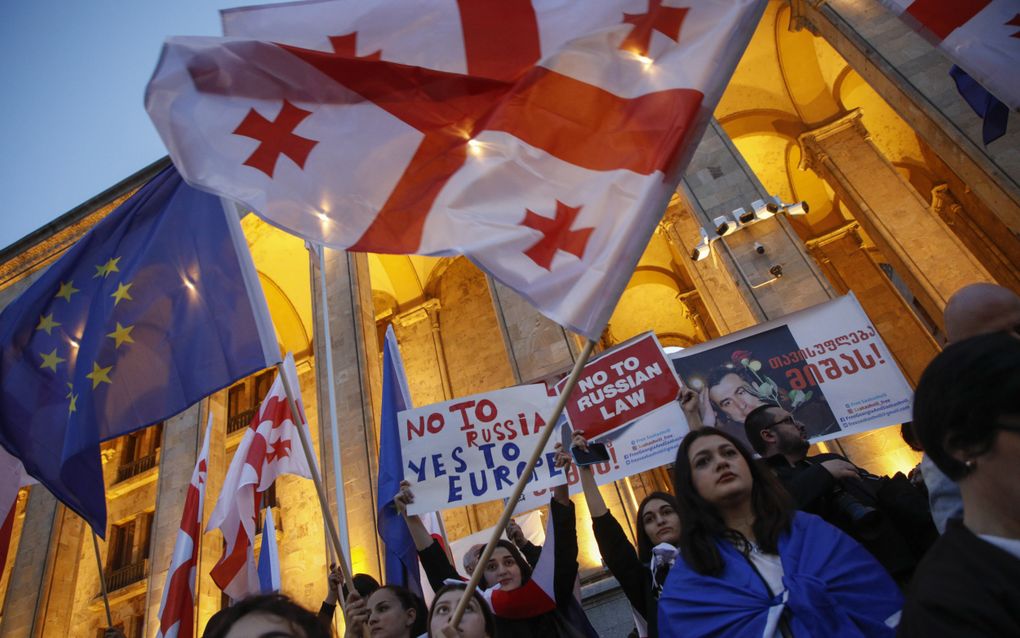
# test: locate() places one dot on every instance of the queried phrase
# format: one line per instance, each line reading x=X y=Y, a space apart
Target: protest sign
x=621 y=385
x=473 y=449
x=642 y=445
x=827 y=365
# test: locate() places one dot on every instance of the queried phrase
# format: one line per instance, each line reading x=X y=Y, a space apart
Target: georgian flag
x=982 y=37
x=542 y=139
x=269 y=448
x=177 y=607
x=12 y=479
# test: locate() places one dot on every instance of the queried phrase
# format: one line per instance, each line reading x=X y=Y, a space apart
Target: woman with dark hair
x=752 y=566
x=640 y=573
x=522 y=605
x=477 y=621
x=269 y=616
x=388 y=612
x=968 y=420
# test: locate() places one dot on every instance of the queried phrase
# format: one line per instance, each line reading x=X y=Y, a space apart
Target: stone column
x=998 y=254
x=851 y=267
x=356 y=379
x=536 y=346
x=26 y=591
x=926 y=254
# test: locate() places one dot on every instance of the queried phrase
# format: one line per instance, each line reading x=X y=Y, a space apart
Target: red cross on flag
x=542 y=139
x=269 y=448
x=982 y=37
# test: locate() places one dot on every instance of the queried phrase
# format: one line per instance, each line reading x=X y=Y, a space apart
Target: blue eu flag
x=155 y=308
x=401 y=559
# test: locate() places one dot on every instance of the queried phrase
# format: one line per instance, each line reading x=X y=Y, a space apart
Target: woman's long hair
x=645 y=544
x=521 y=563
x=701 y=525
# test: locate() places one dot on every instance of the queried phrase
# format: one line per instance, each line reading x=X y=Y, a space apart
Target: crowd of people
x=763 y=541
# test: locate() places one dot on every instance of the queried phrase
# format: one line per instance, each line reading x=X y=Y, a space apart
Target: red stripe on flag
x=588 y=126
x=942 y=17
x=500 y=38
x=5 y=534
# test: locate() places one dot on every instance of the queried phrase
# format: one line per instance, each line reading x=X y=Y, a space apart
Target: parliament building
x=836 y=103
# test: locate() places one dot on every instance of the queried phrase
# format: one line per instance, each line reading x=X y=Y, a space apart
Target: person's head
x=477 y=621
x=714 y=473
x=658 y=522
x=269 y=616
x=395 y=612
x=772 y=430
x=364 y=584
x=506 y=566
x=980 y=309
x=732 y=393
x=910 y=437
x=967 y=416
x=471 y=557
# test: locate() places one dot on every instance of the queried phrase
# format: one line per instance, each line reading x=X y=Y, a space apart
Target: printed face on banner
x=624 y=384
x=473 y=449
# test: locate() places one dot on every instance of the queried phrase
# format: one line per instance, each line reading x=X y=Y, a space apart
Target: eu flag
x=401 y=559
x=155 y=308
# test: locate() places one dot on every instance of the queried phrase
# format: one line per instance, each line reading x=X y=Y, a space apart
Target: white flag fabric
x=982 y=37
x=269 y=448
x=177 y=608
x=542 y=139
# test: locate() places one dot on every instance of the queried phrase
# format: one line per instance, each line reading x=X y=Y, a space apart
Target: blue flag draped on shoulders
x=155 y=308
x=401 y=560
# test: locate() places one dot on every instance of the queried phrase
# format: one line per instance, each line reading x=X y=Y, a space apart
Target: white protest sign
x=473 y=449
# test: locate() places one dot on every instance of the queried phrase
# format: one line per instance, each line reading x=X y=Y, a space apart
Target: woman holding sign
x=641 y=573
x=525 y=602
x=752 y=566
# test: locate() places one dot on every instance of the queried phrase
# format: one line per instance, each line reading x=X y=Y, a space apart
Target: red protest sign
x=621 y=385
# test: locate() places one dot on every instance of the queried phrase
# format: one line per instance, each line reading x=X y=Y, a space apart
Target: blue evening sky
x=72 y=122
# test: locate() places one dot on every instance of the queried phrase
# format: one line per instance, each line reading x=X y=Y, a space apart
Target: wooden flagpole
x=497 y=531
x=102 y=579
x=317 y=480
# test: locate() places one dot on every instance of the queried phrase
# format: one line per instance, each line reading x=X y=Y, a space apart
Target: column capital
x=799 y=15
x=812 y=155
x=427 y=309
x=851 y=230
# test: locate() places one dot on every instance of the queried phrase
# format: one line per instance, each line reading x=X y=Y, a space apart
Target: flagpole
x=338 y=471
x=316 y=479
x=102 y=579
x=515 y=497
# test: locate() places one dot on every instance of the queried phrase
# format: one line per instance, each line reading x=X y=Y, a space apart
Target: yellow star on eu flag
x=107 y=268
x=99 y=375
x=122 y=293
x=121 y=335
x=47 y=323
x=51 y=360
x=71 y=409
x=66 y=290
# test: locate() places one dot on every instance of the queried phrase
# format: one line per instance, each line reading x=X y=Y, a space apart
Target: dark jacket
x=965 y=587
x=634 y=576
x=901 y=536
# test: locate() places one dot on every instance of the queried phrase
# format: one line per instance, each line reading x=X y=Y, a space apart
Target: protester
x=529 y=550
x=364 y=584
x=388 y=612
x=641 y=573
x=522 y=605
x=972 y=310
x=967 y=417
x=889 y=516
x=750 y=565
x=269 y=615
x=477 y=621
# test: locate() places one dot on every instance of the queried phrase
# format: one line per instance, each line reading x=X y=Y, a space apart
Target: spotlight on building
x=703 y=249
x=764 y=208
x=727 y=225
x=800 y=208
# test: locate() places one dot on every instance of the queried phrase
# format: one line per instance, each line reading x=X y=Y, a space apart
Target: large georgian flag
x=177 y=607
x=982 y=37
x=541 y=139
x=269 y=448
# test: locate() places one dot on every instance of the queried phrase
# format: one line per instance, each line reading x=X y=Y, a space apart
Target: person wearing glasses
x=889 y=516
x=968 y=420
